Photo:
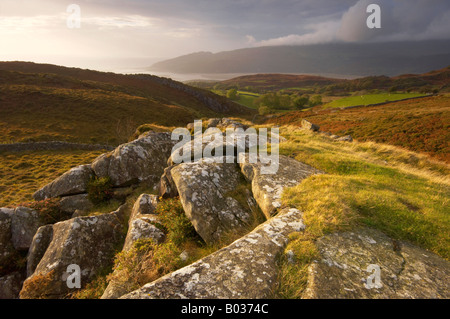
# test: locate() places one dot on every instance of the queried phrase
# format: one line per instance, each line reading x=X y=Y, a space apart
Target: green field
x=370 y=99
x=244 y=98
x=247 y=99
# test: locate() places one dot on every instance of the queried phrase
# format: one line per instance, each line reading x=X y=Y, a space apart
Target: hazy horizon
x=121 y=34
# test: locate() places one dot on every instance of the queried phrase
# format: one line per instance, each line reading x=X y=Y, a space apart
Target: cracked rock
x=366 y=263
x=244 y=269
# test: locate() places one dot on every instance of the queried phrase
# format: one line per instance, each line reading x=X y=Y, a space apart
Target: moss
x=172 y=218
x=99 y=189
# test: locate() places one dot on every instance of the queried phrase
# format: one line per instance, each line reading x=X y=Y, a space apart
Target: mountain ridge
x=340 y=58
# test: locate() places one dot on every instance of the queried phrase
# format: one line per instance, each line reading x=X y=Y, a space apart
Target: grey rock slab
x=366 y=263
x=140 y=226
x=141 y=222
x=167 y=187
x=204 y=188
x=72 y=182
x=309 y=126
x=268 y=188
x=7 y=251
x=247 y=268
x=70 y=204
x=39 y=245
x=142 y=160
x=89 y=242
x=24 y=224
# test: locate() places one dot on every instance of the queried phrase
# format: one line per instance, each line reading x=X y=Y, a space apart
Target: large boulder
x=24 y=224
x=142 y=221
x=72 y=182
x=366 y=263
x=247 y=268
x=309 y=126
x=215 y=143
x=267 y=188
x=141 y=225
x=7 y=251
x=142 y=160
x=204 y=187
x=167 y=187
x=70 y=204
x=88 y=242
x=39 y=245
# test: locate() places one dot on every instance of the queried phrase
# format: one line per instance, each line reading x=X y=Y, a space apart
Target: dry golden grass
x=23 y=173
x=402 y=193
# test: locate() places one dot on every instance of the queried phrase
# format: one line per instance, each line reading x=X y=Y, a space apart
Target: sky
x=137 y=33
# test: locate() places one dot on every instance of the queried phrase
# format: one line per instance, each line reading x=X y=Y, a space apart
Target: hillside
x=434 y=80
x=41 y=102
x=420 y=125
x=269 y=82
x=314 y=228
x=337 y=58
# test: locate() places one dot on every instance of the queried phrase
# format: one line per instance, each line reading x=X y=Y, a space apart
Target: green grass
x=370 y=99
x=404 y=194
x=247 y=99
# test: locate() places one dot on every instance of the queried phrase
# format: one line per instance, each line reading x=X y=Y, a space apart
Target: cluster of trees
x=232 y=94
x=279 y=101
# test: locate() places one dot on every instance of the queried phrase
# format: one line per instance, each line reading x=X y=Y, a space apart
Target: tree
x=232 y=94
x=263 y=110
x=315 y=100
x=300 y=102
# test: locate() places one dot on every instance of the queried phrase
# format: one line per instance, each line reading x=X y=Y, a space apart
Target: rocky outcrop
x=24 y=224
x=267 y=188
x=6 y=247
x=71 y=204
x=204 y=188
x=39 y=245
x=346 y=138
x=73 y=182
x=88 y=242
x=167 y=187
x=309 y=126
x=244 y=269
x=142 y=220
x=141 y=225
x=142 y=160
x=366 y=263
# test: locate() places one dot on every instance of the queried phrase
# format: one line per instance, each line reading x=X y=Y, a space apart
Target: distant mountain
x=390 y=58
x=40 y=102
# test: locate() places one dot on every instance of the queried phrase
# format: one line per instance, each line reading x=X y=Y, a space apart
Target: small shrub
x=99 y=190
x=135 y=267
x=263 y=110
x=36 y=287
x=95 y=288
x=49 y=210
x=173 y=219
